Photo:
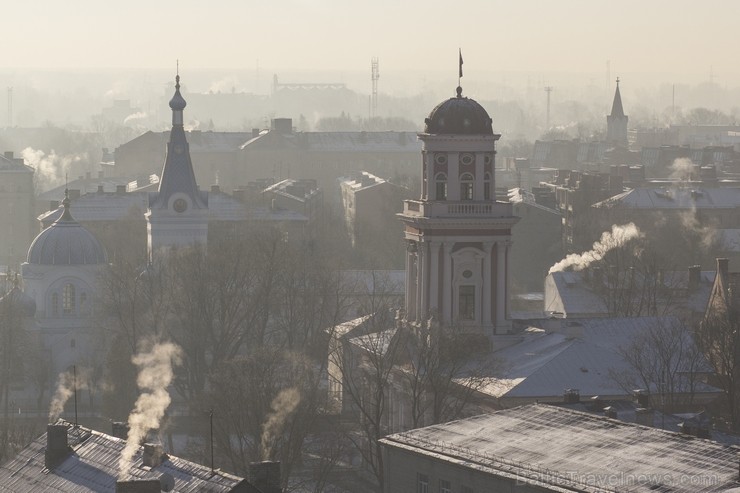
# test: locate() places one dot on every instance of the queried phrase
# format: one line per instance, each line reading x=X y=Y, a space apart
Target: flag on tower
x=461 y=61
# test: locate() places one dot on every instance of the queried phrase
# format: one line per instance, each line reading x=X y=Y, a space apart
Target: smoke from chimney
x=282 y=406
x=618 y=236
x=155 y=375
x=65 y=389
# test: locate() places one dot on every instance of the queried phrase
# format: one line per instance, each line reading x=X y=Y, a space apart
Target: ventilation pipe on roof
x=57 y=448
x=643 y=398
x=265 y=476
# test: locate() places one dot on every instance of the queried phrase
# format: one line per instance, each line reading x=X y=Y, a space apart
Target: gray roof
x=675 y=198
x=93 y=467
x=66 y=242
x=576 y=451
x=337 y=141
x=583 y=355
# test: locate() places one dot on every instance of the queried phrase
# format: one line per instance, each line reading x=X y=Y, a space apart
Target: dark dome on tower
x=66 y=242
x=177 y=103
x=459 y=115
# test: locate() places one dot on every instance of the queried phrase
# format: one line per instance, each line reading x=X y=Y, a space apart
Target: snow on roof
x=582 y=355
x=339 y=141
x=675 y=198
x=93 y=467
x=576 y=451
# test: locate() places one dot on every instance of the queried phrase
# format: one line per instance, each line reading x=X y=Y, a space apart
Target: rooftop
x=583 y=452
x=92 y=466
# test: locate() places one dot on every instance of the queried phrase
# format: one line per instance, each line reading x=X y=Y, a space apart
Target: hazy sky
x=657 y=37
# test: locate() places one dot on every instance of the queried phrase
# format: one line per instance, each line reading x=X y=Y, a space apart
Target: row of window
x=465 y=159
x=422 y=485
x=70 y=301
x=466 y=186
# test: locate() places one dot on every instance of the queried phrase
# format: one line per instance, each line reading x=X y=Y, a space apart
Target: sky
x=674 y=39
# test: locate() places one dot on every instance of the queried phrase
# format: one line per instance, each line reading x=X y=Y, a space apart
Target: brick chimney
x=57 y=448
x=139 y=486
x=153 y=455
x=265 y=476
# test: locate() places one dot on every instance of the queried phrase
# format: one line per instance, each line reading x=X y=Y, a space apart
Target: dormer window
x=440 y=181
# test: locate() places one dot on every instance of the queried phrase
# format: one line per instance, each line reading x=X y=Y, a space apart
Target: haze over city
x=370 y=247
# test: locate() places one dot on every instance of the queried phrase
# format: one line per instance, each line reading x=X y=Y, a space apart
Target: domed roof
x=459 y=115
x=66 y=242
x=177 y=103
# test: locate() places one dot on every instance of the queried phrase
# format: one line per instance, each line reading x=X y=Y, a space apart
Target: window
x=467 y=159
x=68 y=298
x=466 y=186
x=440 y=158
x=422 y=483
x=444 y=486
x=487 y=186
x=441 y=186
x=466 y=302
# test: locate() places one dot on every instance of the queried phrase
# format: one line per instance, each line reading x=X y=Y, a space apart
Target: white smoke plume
x=51 y=168
x=681 y=169
x=192 y=125
x=227 y=84
x=155 y=375
x=139 y=115
x=282 y=406
x=66 y=383
x=618 y=236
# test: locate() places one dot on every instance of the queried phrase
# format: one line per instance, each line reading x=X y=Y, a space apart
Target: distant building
x=16 y=210
x=300 y=196
x=616 y=122
x=370 y=204
x=540 y=448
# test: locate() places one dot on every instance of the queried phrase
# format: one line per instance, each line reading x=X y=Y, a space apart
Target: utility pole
x=375 y=75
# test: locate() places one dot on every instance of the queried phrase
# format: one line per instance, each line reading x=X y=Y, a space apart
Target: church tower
x=458 y=237
x=178 y=212
x=616 y=123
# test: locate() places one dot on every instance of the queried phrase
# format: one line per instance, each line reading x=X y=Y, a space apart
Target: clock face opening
x=180 y=205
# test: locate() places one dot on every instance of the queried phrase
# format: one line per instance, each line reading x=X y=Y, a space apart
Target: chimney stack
x=139 y=486
x=119 y=429
x=153 y=455
x=694 y=277
x=722 y=267
x=265 y=476
x=57 y=448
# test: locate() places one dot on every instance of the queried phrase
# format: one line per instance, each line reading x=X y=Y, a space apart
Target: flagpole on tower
x=460 y=64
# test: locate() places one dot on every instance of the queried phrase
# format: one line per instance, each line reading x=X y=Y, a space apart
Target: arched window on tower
x=487 y=186
x=68 y=299
x=440 y=180
x=466 y=186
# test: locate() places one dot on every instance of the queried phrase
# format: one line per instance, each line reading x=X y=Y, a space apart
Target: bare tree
x=666 y=362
